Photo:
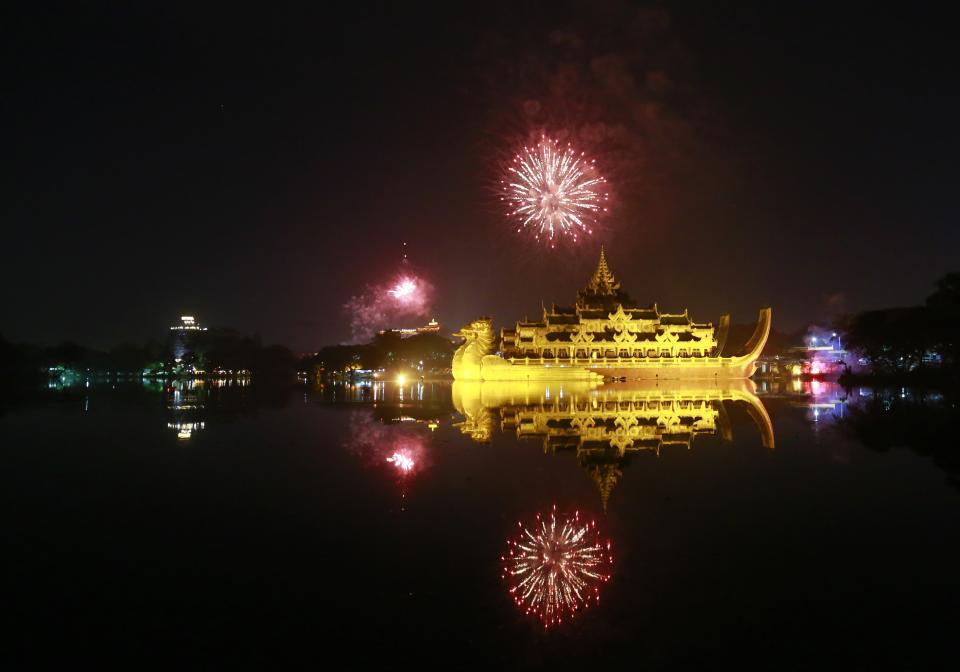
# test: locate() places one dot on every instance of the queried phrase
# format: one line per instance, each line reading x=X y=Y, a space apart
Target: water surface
x=239 y=523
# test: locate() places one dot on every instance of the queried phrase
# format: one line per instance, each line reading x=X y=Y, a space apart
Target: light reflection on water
x=185 y=401
x=711 y=496
x=604 y=425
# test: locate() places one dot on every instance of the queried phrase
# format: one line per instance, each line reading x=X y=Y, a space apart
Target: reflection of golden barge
x=606 y=424
x=604 y=334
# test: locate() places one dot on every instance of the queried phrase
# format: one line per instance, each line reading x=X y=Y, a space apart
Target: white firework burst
x=554 y=191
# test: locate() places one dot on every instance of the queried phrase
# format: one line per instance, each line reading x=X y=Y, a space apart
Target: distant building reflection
x=184 y=400
x=187 y=402
x=604 y=425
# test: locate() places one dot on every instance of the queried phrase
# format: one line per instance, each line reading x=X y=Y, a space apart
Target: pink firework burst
x=554 y=191
x=403 y=461
x=408 y=292
x=555 y=568
x=407 y=295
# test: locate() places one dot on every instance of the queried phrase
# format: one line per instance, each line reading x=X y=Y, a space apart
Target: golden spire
x=606 y=477
x=603 y=281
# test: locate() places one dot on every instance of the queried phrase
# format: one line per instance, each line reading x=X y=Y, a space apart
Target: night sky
x=259 y=168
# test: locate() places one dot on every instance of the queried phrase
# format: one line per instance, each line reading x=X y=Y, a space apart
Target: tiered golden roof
x=603 y=281
x=606 y=327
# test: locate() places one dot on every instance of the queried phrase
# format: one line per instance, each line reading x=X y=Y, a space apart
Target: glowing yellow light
x=401 y=379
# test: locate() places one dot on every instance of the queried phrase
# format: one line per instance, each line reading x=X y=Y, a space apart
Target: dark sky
x=259 y=168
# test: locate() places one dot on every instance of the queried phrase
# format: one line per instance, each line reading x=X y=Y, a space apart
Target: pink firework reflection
x=553 y=191
x=403 y=461
x=402 y=446
x=554 y=568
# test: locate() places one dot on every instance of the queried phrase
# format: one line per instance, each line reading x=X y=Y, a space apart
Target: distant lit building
x=181 y=333
x=818 y=357
x=188 y=323
x=431 y=327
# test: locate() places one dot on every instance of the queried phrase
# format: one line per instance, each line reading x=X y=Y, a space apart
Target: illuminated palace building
x=605 y=324
x=605 y=334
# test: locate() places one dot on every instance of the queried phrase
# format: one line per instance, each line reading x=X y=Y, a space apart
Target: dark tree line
x=221 y=350
x=385 y=351
x=229 y=350
x=215 y=349
x=899 y=341
x=21 y=361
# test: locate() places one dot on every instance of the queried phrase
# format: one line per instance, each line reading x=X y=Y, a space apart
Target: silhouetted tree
x=898 y=340
x=894 y=340
x=944 y=307
x=274 y=361
x=68 y=353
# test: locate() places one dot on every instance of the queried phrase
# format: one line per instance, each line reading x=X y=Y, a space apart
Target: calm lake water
x=214 y=525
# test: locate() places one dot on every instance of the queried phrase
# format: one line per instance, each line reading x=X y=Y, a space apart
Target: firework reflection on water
x=555 y=567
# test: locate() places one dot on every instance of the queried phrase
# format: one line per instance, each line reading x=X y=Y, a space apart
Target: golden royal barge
x=606 y=335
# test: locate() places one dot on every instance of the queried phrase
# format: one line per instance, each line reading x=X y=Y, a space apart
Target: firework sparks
x=402 y=461
x=407 y=295
x=554 y=191
x=404 y=291
x=556 y=567
x=401 y=447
